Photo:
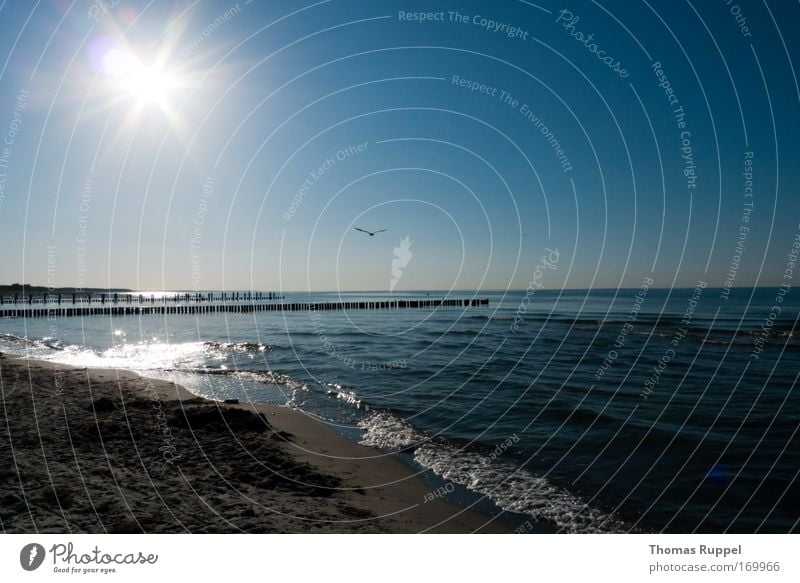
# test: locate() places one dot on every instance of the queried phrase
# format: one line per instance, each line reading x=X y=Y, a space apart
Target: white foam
x=386 y=431
x=516 y=490
x=269 y=377
x=345 y=395
x=510 y=488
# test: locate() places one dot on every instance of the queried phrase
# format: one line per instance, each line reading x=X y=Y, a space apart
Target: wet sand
x=106 y=450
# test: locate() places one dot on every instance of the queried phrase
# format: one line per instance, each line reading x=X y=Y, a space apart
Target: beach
x=558 y=431
x=95 y=450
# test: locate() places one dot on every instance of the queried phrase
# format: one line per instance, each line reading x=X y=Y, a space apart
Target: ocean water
x=612 y=410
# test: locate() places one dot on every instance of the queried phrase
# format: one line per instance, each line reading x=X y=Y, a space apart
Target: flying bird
x=370 y=233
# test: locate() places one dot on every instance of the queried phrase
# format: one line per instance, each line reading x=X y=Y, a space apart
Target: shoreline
x=108 y=450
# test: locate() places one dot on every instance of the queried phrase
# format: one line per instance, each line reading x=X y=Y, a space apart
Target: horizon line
x=97 y=289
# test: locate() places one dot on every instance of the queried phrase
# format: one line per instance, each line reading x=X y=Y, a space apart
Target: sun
x=145 y=84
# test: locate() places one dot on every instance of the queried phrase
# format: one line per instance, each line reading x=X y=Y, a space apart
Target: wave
x=18 y=339
x=698 y=325
x=266 y=376
x=462 y=332
x=727 y=342
x=336 y=391
x=385 y=431
x=651 y=334
x=511 y=488
x=31 y=347
x=238 y=346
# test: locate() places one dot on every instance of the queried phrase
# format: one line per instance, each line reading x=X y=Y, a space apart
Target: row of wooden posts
x=54 y=310
x=127 y=298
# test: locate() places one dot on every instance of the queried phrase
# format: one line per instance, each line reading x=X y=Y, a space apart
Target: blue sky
x=197 y=183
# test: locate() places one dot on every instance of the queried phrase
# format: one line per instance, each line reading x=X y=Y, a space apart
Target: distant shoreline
x=20 y=288
x=43 y=289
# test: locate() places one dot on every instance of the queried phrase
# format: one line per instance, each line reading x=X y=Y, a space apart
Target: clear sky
x=180 y=145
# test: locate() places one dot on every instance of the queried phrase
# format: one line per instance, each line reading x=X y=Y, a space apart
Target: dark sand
x=105 y=450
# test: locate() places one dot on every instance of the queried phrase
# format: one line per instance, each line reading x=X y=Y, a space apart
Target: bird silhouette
x=370 y=233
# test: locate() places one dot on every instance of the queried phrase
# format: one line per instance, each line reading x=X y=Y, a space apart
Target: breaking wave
x=509 y=487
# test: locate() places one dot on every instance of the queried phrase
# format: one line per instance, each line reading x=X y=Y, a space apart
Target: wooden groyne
x=54 y=310
x=79 y=298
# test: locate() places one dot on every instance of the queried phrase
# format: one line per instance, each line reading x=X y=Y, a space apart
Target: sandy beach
x=106 y=450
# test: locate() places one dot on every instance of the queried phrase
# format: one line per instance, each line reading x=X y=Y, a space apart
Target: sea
x=630 y=410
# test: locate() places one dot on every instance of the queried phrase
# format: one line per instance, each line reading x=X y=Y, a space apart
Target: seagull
x=370 y=233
